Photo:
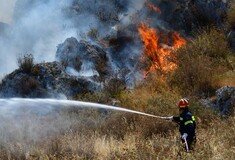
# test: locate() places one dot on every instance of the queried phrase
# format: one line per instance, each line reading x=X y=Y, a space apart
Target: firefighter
x=186 y=123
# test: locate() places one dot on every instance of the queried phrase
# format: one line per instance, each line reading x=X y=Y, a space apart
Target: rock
x=47 y=80
x=18 y=84
x=224 y=102
x=207 y=102
x=82 y=56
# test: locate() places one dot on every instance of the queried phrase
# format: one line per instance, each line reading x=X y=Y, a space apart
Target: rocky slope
x=223 y=102
x=81 y=68
x=83 y=57
x=45 y=80
x=115 y=49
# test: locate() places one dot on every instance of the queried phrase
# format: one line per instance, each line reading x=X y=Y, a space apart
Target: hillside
x=143 y=59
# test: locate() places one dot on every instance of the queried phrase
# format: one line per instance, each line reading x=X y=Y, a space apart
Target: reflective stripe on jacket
x=186 y=123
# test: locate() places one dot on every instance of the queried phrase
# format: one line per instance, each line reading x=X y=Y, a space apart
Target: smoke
x=37 y=28
x=40 y=26
x=114 y=20
x=6 y=10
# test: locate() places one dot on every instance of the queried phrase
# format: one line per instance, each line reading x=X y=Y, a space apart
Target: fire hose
x=166 y=118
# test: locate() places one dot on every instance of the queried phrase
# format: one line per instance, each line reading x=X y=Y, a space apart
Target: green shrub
x=26 y=63
x=200 y=62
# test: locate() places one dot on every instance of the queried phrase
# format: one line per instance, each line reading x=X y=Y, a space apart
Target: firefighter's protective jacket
x=186 y=122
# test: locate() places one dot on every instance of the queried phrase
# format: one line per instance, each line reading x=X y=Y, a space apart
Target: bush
x=200 y=62
x=27 y=85
x=114 y=87
x=26 y=63
x=231 y=16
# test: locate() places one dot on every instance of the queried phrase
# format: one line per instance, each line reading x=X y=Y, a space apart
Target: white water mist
x=6 y=105
x=30 y=120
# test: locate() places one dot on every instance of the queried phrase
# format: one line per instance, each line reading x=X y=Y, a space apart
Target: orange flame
x=153 y=7
x=158 y=53
x=178 y=41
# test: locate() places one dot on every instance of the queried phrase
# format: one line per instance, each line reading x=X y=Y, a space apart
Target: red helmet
x=183 y=103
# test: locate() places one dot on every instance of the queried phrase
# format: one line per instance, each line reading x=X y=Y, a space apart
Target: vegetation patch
x=200 y=62
x=231 y=16
x=26 y=63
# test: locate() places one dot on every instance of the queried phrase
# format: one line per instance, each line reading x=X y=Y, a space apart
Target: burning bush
x=200 y=62
x=159 y=48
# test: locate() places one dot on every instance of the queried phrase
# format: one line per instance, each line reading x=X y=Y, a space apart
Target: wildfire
x=157 y=52
x=178 y=41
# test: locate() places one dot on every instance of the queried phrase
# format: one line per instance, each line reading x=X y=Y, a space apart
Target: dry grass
x=227 y=79
x=152 y=96
x=90 y=134
x=201 y=62
x=77 y=133
x=212 y=143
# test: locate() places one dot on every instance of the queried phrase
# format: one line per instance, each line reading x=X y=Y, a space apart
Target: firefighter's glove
x=184 y=136
x=169 y=118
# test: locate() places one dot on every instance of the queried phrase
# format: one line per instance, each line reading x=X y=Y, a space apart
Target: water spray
x=26 y=121
x=56 y=102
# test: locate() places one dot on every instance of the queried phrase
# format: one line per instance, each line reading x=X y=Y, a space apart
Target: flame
x=159 y=53
x=178 y=41
x=153 y=7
